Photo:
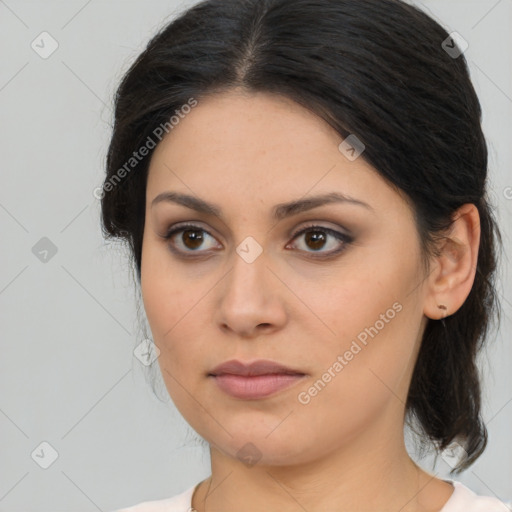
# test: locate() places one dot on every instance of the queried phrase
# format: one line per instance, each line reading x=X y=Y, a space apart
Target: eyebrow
x=280 y=211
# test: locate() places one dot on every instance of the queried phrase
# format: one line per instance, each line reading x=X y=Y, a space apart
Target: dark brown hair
x=374 y=68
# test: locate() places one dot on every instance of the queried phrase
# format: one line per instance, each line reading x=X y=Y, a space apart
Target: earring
x=443 y=307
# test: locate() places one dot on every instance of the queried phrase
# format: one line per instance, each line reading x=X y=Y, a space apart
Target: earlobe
x=445 y=310
x=452 y=281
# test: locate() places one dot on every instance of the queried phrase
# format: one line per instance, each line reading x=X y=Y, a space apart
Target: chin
x=255 y=446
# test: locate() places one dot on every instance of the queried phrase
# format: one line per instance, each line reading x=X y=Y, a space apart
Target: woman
x=302 y=185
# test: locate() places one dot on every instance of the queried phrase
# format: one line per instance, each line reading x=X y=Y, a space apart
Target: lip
x=254 y=380
x=258 y=367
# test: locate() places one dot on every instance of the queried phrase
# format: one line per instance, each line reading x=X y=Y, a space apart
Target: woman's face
x=342 y=303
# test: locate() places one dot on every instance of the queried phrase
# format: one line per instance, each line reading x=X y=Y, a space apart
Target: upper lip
x=259 y=367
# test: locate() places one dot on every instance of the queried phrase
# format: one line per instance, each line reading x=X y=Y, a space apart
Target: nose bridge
x=248 y=298
x=249 y=268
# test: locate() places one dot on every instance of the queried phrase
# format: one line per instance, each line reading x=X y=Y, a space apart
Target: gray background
x=68 y=376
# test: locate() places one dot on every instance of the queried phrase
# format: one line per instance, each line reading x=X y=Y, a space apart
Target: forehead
x=248 y=125
x=259 y=148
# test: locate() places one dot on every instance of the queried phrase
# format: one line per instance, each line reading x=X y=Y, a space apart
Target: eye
x=317 y=238
x=191 y=240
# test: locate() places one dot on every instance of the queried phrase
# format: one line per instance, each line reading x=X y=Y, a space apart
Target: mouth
x=256 y=380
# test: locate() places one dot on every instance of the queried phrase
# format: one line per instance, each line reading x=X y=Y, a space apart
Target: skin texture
x=344 y=449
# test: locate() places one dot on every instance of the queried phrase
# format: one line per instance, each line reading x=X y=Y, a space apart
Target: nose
x=251 y=299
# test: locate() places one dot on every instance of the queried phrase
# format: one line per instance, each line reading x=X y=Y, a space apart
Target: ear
x=454 y=269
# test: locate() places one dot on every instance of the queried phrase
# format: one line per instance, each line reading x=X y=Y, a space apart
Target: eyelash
x=346 y=239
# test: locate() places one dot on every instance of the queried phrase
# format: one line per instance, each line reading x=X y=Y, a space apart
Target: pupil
x=192 y=235
x=316 y=237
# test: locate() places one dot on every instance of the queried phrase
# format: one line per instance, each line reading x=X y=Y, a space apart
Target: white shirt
x=461 y=500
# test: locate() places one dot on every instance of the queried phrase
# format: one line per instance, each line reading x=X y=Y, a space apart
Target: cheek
x=370 y=300
x=163 y=307
x=172 y=302
x=162 y=290
x=368 y=382
x=368 y=350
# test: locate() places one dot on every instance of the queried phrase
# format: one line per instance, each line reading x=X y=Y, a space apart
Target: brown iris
x=194 y=236
x=315 y=237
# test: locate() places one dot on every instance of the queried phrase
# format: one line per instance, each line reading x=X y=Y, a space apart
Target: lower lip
x=255 y=386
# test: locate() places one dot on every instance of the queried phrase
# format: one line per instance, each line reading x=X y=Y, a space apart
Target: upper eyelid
x=179 y=226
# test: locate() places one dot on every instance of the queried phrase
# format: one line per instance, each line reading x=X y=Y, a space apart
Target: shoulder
x=178 y=503
x=464 y=499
